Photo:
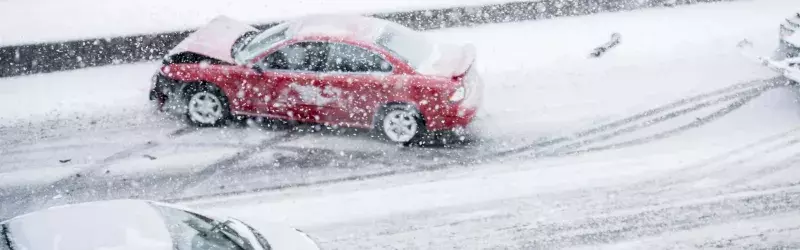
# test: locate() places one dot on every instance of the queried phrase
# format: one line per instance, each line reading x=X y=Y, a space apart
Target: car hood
x=214 y=40
x=285 y=237
x=278 y=236
x=115 y=225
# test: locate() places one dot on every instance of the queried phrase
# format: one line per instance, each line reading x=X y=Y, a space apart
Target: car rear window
x=407 y=44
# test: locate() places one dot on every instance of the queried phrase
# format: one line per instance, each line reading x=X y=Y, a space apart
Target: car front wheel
x=207 y=106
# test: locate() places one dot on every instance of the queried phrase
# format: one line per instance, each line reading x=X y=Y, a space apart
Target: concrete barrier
x=50 y=57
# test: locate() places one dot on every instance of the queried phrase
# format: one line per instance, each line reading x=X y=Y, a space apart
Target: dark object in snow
x=108 y=171
x=65 y=161
x=191 y=57
x=78 y=175
x=744 y=44
x=599 y=51
x=150 y=157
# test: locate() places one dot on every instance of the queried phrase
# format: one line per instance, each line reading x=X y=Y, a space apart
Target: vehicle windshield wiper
x=224 y=225
x=242 y=42
x=5 y=236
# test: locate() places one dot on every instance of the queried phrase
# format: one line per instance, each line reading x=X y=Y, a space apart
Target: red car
x=335 y=70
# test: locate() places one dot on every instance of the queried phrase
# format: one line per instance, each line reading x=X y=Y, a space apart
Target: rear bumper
x=449 y=118
x=460 y=114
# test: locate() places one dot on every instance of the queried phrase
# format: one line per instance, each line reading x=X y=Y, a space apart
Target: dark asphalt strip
x=55 y=188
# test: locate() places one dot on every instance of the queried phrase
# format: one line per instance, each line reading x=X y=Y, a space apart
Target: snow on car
x=141 y=224
x=789 y=37
x=339 y=70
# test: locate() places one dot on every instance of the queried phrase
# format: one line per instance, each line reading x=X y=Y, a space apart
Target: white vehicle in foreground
x=141 y=225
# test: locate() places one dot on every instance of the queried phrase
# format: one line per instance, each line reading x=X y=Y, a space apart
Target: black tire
x=396 y=112
x=215 y=105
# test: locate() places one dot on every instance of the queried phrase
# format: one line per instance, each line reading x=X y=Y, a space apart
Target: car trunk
x=449 y=60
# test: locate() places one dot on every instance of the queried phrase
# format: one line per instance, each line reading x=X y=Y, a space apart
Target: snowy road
x=671 y=138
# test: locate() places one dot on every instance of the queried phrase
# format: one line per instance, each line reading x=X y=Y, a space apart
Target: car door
x=286 y=85
x=354 y=77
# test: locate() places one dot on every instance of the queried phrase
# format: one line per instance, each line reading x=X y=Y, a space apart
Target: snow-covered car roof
x=118 y=224
x=356 y=27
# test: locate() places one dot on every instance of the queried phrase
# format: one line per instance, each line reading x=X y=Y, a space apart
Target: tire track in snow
x=655 y=191
x=749 y=91
x=54 y=189
x=749 y=95
x=753 y=90
x=667 y=188
x=697 y=123
x=549 y=148
x=760 y=238
x=222 y=164
x=127 y=153
x=764 y=172
x=673 y=217
x=557 y=221
x=718 y=164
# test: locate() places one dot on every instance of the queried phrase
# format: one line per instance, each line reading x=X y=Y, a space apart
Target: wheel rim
x=400 y=126
x=205 y=108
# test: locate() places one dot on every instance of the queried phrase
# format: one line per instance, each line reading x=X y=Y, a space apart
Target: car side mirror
x=256 y=68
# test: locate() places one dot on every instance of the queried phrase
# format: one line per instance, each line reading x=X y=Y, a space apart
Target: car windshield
x=190 y=231
x=261 y=42
x=412 y=47
x=5 y=239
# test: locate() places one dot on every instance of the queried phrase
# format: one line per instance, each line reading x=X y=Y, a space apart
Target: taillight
x=459 y=94
x=165 y=69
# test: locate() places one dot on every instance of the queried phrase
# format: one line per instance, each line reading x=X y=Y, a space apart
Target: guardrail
x=58 y=56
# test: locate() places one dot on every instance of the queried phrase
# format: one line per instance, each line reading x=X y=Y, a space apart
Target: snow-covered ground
x=53 y=20
x=671 y=140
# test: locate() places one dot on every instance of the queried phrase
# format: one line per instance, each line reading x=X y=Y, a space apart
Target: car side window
x=349 y=58
x=302 y=56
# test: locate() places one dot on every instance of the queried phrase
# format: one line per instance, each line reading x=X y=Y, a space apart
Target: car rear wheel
x=207 y=106
x=401 y=123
